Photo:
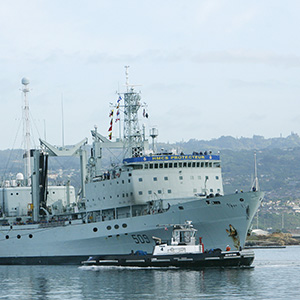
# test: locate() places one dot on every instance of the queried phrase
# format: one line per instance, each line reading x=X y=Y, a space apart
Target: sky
x=205 y=68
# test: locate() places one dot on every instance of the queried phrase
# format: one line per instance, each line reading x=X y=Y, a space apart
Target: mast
x=132 y=133
x=26 y=128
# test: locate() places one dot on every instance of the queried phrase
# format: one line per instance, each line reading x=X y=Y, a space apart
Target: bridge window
x=155 y=166
x=146 y=166
x=193 y=164
x=198 y=164
x=180 y=165
x=184 y=164
x=175 y=165
x=150 y=166
x=210 y=165
x=161 y=165
x=166 y=165
x=189 y=164
x=170 y=165
x=206 y=165
x=202 y=165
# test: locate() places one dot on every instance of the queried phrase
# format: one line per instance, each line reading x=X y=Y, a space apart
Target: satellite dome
x=25 y=81
x=20 y=177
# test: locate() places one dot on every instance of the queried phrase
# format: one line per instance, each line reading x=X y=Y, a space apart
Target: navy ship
x=124 y=204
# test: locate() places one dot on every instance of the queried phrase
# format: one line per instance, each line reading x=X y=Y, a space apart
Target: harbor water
x=275 y=275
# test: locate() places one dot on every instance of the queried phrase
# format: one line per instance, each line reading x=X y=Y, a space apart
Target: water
x=275 y=276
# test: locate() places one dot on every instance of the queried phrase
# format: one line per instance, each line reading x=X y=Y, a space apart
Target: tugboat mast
x=26 y=129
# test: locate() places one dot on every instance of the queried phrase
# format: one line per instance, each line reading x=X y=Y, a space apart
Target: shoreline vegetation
x=272 y=240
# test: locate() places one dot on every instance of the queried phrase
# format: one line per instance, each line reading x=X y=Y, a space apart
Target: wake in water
x=101 y=268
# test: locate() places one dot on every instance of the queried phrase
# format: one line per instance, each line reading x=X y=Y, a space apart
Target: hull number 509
x=140 y=238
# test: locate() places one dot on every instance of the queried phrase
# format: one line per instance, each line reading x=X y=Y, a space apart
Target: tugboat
x=181 y=252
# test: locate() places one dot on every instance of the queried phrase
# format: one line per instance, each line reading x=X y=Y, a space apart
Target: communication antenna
x=127 y=77
x=255 y=185
x=62 y=121
x=26 y=128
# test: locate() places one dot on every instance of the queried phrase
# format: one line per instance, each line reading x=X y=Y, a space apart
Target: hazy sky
x=207 y=68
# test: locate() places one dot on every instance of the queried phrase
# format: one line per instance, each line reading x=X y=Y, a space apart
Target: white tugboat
x=183 y=251
x=123 y=205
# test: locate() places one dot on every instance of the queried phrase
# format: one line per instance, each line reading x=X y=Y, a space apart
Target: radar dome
x=25 y=81
x=20 y=177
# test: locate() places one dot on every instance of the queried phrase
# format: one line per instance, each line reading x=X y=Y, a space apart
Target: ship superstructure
x=125 y=203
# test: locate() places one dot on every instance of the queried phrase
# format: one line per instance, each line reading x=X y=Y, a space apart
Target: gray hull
x=220 y=221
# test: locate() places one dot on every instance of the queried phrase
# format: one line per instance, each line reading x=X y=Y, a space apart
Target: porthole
x=95 y=229
x=18 y=236
x=7 y=237
x=116 y=226
x=180 y=207
x=124 y=225
x=108 y=227
x=30 y=236
x=241 y=199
